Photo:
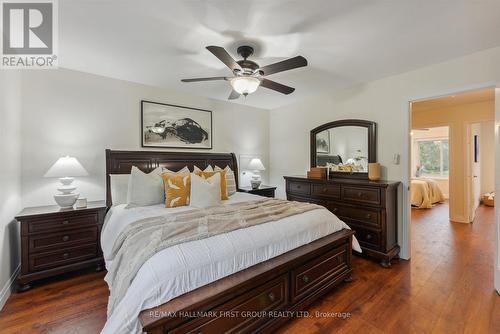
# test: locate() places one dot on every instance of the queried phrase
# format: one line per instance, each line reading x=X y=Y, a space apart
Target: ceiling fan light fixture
x=245 y=84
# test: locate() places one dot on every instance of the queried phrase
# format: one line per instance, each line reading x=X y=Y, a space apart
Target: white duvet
x=185 y=267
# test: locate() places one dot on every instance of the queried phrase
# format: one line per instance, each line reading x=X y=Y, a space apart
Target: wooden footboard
x=260 y=298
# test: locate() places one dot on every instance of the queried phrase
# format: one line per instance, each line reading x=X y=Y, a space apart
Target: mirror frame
x=372 y=143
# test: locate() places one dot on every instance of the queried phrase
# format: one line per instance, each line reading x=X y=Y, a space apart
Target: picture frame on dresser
x=173 y=126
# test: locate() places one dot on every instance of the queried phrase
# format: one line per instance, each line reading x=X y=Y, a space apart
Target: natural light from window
x=430 y=152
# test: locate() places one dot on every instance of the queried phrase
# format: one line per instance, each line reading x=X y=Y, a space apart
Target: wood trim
x=121 y=162
x=372 y=143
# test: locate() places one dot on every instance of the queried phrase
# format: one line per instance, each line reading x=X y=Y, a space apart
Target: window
x=432 y=158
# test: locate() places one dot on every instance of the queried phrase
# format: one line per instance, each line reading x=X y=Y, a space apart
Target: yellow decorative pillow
x=223 y=183
x=177 y=189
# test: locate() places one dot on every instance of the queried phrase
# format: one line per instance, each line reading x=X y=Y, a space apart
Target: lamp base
x=66 y=201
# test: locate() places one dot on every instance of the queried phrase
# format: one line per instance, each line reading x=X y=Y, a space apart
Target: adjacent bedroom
x=298 y=167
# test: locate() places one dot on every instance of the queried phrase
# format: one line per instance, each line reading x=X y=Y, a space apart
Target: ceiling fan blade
x=224 y=57
x=276 y=86
x=234 y=95
x=284 y=65
x=204 y=79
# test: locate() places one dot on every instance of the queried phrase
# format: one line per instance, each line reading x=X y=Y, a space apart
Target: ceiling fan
x=248 y=75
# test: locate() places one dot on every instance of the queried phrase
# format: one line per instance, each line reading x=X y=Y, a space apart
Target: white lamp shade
x=245 y=85
x=66 y=167
x=256 y=164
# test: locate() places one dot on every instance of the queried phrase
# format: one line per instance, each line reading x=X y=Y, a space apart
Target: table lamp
x=256 y=166
x=66 y=168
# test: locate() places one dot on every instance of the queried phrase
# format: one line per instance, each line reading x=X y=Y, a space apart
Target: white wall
x=487 y=156
x=384 y=101
x=80 y=114
x=10 y=178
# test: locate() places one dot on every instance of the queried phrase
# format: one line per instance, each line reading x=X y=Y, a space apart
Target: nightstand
x=266 y=191
x=56 y=241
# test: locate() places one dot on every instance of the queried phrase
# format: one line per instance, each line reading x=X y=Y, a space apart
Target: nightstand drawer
x=49 y=224
x=43 y=242
x=59 y=258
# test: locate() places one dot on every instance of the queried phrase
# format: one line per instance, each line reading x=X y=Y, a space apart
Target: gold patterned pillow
x=177 y=189
x=223 y=182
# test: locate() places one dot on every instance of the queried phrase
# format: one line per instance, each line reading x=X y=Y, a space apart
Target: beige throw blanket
x=144 y=238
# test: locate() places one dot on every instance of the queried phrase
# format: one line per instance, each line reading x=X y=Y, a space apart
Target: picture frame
x=172 y=126
x=323 y=142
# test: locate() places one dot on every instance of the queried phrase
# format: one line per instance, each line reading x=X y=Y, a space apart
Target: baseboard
x=7 y=288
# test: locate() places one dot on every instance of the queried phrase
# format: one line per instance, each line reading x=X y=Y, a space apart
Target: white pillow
x=230 y=180
x=119 y=188
x=205 y=192
x=208 y=169
x=145 y=189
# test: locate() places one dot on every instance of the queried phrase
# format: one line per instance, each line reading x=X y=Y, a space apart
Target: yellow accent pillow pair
x=178 y=186
x=223 y=184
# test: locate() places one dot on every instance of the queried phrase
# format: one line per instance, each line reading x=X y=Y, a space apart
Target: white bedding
x=185 y=267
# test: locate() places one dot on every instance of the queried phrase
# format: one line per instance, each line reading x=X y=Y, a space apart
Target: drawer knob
x=368 y=216
x=368 y=236
x=65 y=222
x=271 y=296
x=360 y=194
x=325 y=190
x=65 y=255
x=298 y=187
x=65 y=238
x=305 y=278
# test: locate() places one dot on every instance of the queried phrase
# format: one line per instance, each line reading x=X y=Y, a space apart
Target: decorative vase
x=374 y=171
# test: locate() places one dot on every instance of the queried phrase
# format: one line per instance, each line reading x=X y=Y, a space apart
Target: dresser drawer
x=268 y=297
x=362 y=215
x=361 y=195
x=326 y=190
x=314 y=274
x=367 y=237
x=43 y=242
x=47 y=260
x=306 y=200
x=299 y=188
x=49 y=224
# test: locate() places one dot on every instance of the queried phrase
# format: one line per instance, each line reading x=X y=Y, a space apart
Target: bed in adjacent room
x=284 y=257
x=425 y=193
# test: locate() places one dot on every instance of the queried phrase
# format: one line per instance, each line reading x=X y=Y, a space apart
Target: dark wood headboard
x=121 y=162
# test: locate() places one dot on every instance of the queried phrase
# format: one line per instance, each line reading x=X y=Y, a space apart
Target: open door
x=497 y=188
x=475 y=169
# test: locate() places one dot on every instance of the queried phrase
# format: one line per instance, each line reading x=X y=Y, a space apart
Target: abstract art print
x=166 y=125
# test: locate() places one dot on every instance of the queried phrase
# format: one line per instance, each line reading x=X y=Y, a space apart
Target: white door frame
x=404 y=236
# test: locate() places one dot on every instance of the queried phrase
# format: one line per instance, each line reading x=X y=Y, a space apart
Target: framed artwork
x=323 y=142
x=166 y=125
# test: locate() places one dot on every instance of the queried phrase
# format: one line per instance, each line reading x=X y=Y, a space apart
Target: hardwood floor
x=451 y=292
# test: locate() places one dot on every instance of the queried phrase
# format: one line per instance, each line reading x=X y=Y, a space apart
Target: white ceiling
x=346 y=42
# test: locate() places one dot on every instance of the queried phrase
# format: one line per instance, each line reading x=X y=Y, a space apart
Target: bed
x=425 y=193
x=231 y=282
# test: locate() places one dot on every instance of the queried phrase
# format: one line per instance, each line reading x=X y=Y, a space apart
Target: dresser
x=55 y=241
x=368 y=207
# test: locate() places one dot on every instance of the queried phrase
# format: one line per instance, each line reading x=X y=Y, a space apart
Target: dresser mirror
x=345 y=147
